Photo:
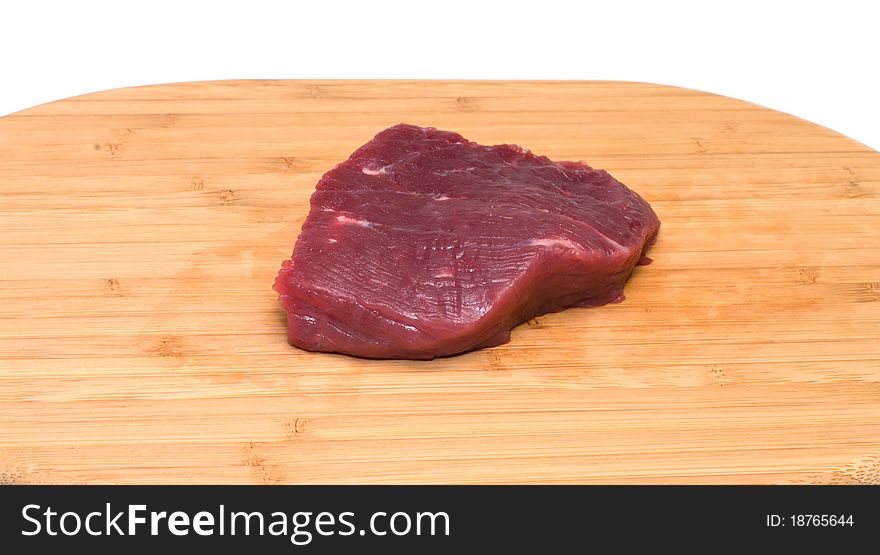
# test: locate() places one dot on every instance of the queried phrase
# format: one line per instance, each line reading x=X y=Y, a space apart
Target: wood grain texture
x=141 y=342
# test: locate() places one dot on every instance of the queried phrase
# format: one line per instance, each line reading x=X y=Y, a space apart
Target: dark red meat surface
x=424 y=244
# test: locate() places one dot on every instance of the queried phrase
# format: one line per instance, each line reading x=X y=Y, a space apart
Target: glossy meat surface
x=424 y=244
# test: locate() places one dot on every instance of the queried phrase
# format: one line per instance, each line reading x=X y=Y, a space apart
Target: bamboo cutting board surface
x=141 y=342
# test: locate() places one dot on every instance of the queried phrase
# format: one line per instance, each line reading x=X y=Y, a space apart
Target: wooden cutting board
x=141 y=341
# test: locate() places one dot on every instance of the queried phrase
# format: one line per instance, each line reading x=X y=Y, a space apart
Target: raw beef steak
x=424 y=244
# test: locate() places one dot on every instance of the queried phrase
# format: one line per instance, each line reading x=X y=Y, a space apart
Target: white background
x=818 y=61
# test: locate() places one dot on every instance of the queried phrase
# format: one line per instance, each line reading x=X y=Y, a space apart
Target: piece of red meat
x=424 y=244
